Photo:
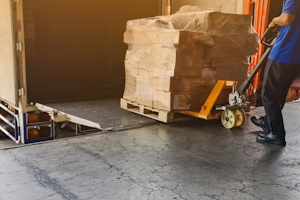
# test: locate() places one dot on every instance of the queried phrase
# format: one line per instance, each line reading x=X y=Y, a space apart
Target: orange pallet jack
x=228 y=102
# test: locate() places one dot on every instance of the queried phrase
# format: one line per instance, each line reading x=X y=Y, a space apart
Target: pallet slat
x=156 y=114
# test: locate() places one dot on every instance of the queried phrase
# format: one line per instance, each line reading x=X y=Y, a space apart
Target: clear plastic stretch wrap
x=173 y=62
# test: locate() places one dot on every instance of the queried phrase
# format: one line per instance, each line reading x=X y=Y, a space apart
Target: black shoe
x=260 y=122
x=271 y=139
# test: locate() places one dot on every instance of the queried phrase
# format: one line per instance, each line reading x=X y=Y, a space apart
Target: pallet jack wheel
x=241 y=117
x=229 y=119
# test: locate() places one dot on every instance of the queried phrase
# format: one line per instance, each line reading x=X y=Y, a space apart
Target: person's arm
x=283 y=20
x=290 y=9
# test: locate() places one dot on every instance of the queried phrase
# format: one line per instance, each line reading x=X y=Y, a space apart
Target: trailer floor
x=105 y=112
x=187 y=160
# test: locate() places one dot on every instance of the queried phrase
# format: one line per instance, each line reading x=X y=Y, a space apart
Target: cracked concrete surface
x=188 y=160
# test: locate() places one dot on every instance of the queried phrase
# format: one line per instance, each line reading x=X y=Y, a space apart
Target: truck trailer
x=62 y=61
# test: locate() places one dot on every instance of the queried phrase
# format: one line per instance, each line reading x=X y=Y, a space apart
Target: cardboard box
x=189 y=62
x=131 y=68
x=208 y=73
x=129 y=97
x=206 y=64
x=144 y=89
x=145 y=102
x=130 y=92
x=233 y=72
x=235 y=45
x=176 y=101
x=173 y=84
x=212 y=22
x=229 y=62
x=129 y=78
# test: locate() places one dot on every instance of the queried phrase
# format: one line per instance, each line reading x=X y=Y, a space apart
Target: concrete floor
x=189 y=160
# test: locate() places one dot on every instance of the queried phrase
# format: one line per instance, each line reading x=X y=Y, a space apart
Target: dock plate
x=104 y=114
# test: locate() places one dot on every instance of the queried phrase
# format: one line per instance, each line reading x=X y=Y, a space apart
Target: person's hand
x=276 y=26
x=272 y=24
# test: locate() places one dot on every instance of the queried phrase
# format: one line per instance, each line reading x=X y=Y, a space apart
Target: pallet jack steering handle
x=267 y=32
x=242 y=89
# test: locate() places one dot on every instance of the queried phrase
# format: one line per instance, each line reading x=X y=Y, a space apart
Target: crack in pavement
x=45 y=180
x=122 y=174
x=110 y=165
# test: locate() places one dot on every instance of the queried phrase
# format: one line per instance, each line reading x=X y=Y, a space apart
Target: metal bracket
x=19 y=46
x=16 y=117
x=59 y=118
x=21 y=92
x=229 y=107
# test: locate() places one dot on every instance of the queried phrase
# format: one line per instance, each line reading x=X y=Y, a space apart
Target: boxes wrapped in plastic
x=175 y=61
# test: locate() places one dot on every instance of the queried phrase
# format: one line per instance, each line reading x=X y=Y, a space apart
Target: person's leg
x=271 y=95
x=263 y=93
x=277 y=80
x=263 y=121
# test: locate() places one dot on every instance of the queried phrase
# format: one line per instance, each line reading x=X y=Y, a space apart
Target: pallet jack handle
x=268 y=32
x=269 y=44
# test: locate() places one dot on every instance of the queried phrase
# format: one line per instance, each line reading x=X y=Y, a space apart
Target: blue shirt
x=287 y=47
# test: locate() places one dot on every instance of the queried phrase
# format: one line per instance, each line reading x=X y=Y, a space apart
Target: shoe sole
x=271 y=142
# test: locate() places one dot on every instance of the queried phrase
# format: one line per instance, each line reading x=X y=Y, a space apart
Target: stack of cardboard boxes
x=173 y=62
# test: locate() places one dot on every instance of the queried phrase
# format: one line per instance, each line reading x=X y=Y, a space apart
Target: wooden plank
x=156 y=114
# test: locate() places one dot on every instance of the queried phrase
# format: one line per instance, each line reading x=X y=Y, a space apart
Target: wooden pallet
x=159 y=115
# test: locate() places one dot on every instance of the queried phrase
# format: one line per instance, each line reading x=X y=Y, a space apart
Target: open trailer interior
x=75 y=52
x=66 y=58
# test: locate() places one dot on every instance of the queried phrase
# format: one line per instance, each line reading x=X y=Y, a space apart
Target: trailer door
x=8 y=82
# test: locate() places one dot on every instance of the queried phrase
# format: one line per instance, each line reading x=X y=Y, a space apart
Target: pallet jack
x=233 y=110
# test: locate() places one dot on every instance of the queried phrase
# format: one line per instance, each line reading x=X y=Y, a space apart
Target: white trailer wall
x=8 y=84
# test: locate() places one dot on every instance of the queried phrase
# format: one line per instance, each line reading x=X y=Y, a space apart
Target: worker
x=282 y=68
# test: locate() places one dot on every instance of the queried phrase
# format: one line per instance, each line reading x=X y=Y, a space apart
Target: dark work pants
x=278 y=78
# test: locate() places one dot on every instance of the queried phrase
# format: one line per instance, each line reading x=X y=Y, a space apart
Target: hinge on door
x=19 y=46
x=21 y=92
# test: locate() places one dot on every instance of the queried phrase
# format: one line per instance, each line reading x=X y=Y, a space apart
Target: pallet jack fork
x=232 y=109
